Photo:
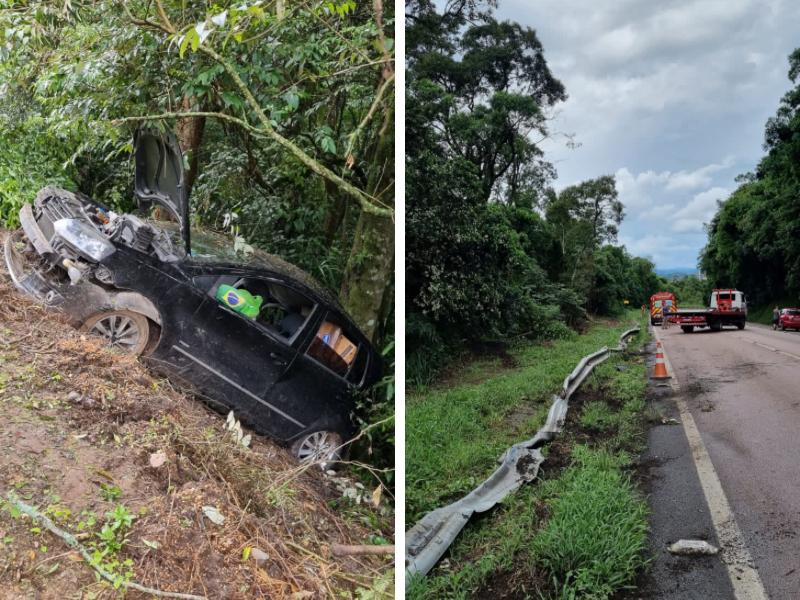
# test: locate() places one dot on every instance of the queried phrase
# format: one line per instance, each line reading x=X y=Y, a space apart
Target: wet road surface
x=743 y=391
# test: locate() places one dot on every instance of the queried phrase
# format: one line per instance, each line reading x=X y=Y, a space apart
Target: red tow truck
x=727 y=307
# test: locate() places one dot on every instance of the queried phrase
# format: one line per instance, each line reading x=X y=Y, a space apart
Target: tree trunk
x=370 y=267
x=190 y=137
x=335 y=214
x=368 y=270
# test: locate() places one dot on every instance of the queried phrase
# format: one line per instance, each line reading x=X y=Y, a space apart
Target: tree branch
x=183 y=115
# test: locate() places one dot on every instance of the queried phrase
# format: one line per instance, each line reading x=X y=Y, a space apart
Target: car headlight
x=84 y=239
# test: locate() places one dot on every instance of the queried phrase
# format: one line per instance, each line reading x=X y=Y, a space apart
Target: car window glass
x=276 y=307
x=334 y=346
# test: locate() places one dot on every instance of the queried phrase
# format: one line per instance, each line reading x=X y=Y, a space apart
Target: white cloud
x=702 y=177
x=644 y=194
x=653 y=245
x=699 y=211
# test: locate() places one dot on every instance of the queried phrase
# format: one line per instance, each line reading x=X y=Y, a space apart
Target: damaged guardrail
x=430 y=538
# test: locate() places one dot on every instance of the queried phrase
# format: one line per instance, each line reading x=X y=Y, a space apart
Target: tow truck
x=726 y=307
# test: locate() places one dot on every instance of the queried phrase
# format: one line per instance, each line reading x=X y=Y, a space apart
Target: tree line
x=754 y=238
x=493 y=251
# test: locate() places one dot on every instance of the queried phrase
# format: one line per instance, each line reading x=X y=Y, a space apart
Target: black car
x=249 y=333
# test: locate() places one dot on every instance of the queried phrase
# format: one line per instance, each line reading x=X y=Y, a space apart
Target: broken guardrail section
x=430 y=538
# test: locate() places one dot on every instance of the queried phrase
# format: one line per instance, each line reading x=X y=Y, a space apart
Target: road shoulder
x=679 y=510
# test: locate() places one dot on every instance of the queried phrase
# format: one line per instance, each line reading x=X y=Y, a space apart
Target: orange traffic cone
x=660 y=371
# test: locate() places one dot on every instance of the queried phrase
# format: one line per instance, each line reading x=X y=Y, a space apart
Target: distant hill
x=674 y=272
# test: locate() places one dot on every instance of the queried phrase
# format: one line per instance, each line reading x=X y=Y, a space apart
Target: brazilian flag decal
x=232 y=299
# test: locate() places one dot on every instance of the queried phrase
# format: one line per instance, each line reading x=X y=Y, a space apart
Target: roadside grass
x=582 y=530
x=455 y=434
x=594 y=539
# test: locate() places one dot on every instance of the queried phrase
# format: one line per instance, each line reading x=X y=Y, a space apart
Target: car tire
x=687 y=328
x=740 y=325
x=783 y=327
x=124 y=329
x=323 y=446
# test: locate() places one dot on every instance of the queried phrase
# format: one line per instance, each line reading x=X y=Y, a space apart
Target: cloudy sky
x=669 y=96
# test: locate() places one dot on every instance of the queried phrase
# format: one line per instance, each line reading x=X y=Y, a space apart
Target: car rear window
x=792 y=312
x=724 y=296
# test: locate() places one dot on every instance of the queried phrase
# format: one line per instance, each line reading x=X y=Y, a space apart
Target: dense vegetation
x=754 y=239
x=492 y=250
x=284 y=111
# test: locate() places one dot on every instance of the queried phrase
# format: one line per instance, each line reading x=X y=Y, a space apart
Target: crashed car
x=251 y=334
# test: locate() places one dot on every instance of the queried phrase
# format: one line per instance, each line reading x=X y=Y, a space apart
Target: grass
x=455 y=434
x=579 y=533
x=594 y=539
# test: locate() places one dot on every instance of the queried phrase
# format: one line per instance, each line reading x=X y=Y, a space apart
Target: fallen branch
x=72 y=542
x=361 y=549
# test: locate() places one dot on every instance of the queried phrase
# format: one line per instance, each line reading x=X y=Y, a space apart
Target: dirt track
x=743 y=390
x=78 y=416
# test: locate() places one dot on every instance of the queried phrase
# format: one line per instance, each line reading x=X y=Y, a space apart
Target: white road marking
x=744 y=577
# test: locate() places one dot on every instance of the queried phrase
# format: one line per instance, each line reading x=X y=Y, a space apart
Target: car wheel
x=324 y=446
x=783 y=327
x=124 y=329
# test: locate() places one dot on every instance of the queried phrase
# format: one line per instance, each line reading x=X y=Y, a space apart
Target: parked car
x=789 y=318
x=252 y=334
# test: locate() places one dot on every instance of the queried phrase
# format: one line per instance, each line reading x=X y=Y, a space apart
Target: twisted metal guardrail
x=432 y=535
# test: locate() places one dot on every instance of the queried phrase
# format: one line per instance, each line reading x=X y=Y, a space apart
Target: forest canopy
x=493 y=250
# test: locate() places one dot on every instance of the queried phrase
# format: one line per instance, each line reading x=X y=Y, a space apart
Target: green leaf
x=292 y=99
x=185 y=43
x=246 y=553
x=232 y=99
x=328 y=145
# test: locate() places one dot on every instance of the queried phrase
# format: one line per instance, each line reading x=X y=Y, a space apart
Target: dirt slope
x=78 y=418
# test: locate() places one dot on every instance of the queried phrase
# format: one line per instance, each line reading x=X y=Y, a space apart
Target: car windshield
x=792 y=312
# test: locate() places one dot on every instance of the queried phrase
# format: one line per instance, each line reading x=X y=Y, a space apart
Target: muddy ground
x=86 y=430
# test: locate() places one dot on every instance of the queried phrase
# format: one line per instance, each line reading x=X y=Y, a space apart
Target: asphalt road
x=743 y=391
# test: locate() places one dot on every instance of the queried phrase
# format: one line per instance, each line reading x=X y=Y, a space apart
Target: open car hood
x=159 y=176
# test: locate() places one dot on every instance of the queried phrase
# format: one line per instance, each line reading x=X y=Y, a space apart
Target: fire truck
x=726 y=307
x=658 y=301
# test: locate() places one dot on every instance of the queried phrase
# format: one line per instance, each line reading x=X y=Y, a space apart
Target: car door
x=235 y=360
x=333 y=359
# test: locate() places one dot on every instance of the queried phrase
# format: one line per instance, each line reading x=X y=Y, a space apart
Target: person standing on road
x=665 y=315
x=776 y=315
